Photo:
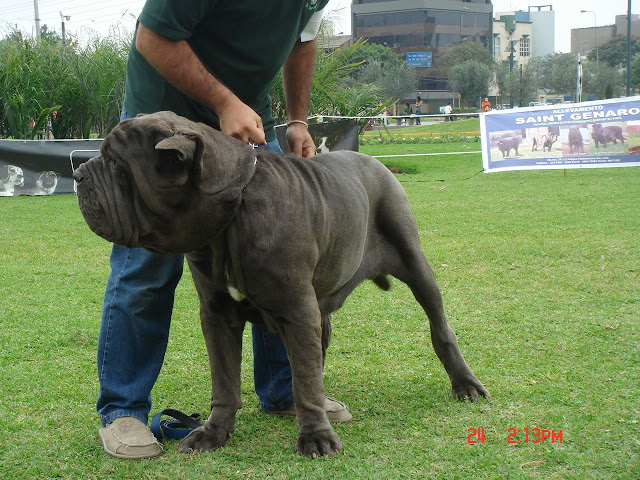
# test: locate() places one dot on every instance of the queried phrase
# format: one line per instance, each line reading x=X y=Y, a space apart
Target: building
x=543 y=33
x=417 y=29
x=512 y=40
x=584 y=40
x=329 y=40
x=533 y=33
x=518 y=36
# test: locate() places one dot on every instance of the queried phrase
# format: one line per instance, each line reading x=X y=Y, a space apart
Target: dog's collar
x=255 y=163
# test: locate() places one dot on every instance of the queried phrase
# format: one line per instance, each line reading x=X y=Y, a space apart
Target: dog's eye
x=112 y=163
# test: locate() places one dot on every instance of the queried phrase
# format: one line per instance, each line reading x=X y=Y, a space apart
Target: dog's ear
x=188 y=145
x=180 y=151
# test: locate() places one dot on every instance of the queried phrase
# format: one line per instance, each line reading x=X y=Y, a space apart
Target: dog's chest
x=236 y=294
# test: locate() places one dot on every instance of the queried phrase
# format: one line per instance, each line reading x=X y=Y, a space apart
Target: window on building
x=496 y=46
x=445 y=17
x=468 y=20
x=483 y=21
x=525 y=47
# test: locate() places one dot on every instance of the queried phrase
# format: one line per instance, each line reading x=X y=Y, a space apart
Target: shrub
x=396 y=139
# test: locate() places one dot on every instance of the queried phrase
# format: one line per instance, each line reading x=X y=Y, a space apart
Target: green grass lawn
x=464 y=125
x=540 y=274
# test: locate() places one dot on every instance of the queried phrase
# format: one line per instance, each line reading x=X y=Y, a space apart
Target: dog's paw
x=318 y=444
x=207 y=437
x=469 y=389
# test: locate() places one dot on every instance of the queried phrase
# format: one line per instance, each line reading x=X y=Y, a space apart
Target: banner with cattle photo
x=44 y=167
x=595 y=134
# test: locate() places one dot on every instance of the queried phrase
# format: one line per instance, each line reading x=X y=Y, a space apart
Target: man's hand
x=300 y=141
x=240 y=121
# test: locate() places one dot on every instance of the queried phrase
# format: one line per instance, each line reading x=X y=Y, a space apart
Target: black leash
x=179 y=426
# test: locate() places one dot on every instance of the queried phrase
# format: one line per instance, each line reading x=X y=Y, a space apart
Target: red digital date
x=534 y=435
x=475 y=435
x=515 y=435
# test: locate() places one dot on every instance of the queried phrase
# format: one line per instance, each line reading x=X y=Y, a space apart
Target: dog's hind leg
x=422 y=282
x=406 y=261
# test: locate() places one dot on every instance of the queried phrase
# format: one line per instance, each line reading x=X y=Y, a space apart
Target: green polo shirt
x=243 y=43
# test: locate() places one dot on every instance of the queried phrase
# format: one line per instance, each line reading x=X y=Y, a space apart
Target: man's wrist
x=300 y=122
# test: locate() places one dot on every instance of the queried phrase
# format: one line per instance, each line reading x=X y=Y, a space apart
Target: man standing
x=212 y=62
x=447 y=112
x=418 y=106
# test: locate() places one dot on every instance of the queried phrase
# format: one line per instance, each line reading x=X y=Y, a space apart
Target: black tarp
x=44 y=167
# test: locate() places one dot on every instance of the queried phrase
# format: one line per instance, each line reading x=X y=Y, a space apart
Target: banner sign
x=419 y=59
x=595 y=134
x=44 y=167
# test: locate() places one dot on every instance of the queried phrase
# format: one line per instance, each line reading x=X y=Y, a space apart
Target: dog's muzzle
x=94 y=190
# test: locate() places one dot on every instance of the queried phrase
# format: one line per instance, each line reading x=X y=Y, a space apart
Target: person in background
x=485 y=105
x=418 y=106
x=408 y=111
x=192 y=57
x=447 y=112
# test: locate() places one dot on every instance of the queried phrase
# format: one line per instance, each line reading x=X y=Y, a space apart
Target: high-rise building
x=418 y=29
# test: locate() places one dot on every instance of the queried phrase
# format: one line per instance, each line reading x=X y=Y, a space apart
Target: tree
x=608 y=91
x=471 y=80
x=396 y=80
x=601 y=80
x=635 y=72
x=459 y=53
x=372 y=52
x=559 y=73
x=519 y=85
x=614 y=52
x=381 y=66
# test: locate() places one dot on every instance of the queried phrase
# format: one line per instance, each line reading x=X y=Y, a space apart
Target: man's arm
x=297 y=79
x=180 y=66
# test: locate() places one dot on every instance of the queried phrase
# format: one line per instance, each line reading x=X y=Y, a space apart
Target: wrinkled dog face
x=136 y=192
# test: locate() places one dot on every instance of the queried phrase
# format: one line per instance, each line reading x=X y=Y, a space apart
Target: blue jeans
x=136 y=317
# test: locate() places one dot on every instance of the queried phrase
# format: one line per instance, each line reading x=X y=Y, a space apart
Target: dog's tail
x=382 y=281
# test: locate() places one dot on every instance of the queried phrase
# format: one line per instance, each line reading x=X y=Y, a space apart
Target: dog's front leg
x=223 y=336
x=303 y=338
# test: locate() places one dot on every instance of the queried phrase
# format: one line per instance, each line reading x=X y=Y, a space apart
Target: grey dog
x=289 y=237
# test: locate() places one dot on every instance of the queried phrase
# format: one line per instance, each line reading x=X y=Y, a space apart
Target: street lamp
x=511 y=49
x=63 y=18
x=595 y=32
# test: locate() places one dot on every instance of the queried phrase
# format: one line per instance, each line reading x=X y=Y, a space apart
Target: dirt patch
x=395 y=170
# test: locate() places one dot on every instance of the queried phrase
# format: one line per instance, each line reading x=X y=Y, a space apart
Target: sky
x=97 y=17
